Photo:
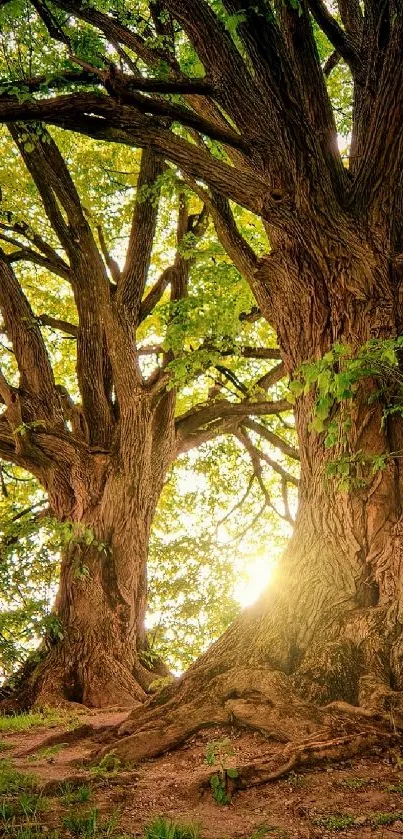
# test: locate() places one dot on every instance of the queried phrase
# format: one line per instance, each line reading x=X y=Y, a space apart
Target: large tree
x=102 y=446
x=255 y=125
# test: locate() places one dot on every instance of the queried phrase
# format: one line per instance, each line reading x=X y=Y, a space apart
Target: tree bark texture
x=327 y=632
x=97 y=654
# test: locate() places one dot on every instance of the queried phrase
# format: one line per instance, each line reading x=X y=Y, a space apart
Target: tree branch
x=336 y=35
x=272 y=438
x=36 y=375
x=154 y=295
x=138 y=256
x=200 y=416
x=62 y=325
x=100 y=117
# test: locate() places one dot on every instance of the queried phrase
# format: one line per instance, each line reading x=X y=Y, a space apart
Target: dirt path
x=357 y=800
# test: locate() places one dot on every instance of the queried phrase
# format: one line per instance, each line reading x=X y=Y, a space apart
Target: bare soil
x=358 y=799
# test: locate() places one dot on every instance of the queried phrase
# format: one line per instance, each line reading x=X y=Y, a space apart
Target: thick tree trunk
x=96 y=651
x=329 y=626
x=95 y=654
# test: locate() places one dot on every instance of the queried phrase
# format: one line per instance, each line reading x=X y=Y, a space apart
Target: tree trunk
x=329 y=626
x=95 y=652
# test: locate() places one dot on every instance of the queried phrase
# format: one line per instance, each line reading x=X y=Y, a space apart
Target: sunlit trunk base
x=320 y=654
x=310 y=665
x=95 y=650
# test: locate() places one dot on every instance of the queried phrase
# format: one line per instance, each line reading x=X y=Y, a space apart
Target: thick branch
x=100 y=117
x=62 y=325
x=334 y=32
x=36 y=373
x=134 y=276
x=154 y=295
x=87 y=274
x=201 y=416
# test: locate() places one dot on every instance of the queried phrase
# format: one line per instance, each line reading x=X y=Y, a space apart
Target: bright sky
x=257 y=575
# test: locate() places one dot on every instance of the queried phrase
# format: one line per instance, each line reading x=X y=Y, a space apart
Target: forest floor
x=50 y=790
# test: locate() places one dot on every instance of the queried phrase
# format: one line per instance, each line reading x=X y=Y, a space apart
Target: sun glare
x=255 y=577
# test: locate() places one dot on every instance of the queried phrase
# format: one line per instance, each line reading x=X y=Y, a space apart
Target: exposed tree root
x=265 y=701
x=311 y=753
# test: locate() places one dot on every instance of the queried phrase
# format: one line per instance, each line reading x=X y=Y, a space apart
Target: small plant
x=7 y=811
x=4 y=746
x=161 y=828
x=335 y=822
x=395 y=788
x=88 y=825
x=109 y=765
x=47 y=753
x=356 y=783
x=295 y=780
x=80 y=795
x=29 y=804
x=386 y=818
x=217 y=754
x=13 y=782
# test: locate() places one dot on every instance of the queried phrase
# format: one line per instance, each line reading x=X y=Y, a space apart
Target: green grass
x=77 y=795
x=161 y=828
x=90 y=824
x=335 y=821
x=26 y=805
x=356 y=783
x=38 y=719
x=47 y=753
x=386 y=818
x=4 y=746
x=395 y=788
x=28 y=832
x=109 y=765
x=12 y=782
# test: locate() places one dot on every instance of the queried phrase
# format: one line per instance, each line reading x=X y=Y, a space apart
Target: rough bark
x=97 y=652
x=328 y=629
x=321 y=651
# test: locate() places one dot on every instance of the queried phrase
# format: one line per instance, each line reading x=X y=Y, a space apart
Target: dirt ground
x=358 y=799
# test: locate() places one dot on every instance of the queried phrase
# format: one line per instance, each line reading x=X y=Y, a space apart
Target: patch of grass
x=161 y=828
x=109 y=765
x=89 y=825
x=28 y=832
x=38 y=719
x=267 y=829
x=386 y=818
x=395 y=788
x=7 y=811
x=356 y=783
x=335 y=821
x=295 y=780
x=4 y=746
x=12 y=781
x=47 y=753
x=78 y=795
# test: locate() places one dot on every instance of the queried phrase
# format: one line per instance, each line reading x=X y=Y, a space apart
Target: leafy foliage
x=335 y=379
x=218 y=754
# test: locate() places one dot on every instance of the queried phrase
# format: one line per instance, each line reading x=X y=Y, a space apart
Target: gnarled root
x=302 y=734
x=310 y=753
